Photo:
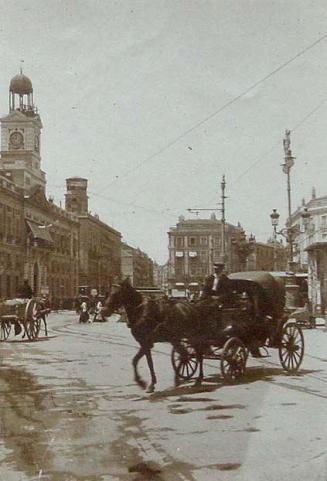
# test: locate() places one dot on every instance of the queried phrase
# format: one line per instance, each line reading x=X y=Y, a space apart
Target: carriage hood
x=270 y=290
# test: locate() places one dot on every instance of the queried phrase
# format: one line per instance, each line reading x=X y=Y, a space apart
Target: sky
x=153 y=101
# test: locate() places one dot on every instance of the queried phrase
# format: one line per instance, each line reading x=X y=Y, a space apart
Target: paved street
x=72 y=412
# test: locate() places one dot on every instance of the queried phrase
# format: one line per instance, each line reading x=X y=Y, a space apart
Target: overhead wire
x=206 y=119
x=127 y=204
x=248 y=169
x=216 y=112
x=294 y=129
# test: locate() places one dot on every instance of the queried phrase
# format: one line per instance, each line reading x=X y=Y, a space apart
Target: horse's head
x=121 y=295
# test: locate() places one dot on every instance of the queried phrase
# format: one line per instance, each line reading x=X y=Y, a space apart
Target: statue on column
x=287 y=143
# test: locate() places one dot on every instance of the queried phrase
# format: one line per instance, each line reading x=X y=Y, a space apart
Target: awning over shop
x=39 y=231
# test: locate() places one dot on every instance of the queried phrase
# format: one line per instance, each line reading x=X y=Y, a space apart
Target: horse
x=41 y=315
x=152 y=321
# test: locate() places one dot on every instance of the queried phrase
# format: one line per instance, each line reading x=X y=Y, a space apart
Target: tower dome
x=20 y=84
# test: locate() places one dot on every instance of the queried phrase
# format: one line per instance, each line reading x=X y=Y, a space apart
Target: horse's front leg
x=141 y=352
x=151 y=386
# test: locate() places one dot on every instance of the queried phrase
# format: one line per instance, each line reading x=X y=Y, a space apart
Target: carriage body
x=20 y=315
x=250 y=318
x=264 y=316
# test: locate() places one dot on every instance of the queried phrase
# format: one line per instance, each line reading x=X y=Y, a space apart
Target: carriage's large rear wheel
x=184 y=360
x=291 y=347
x=5 y=329
x=31 y=321
x=233 y=360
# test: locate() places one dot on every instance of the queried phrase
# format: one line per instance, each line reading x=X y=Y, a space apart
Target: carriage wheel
x=291 y=348
x=184 y=360
x=31 y=321
x=233 y=360
x=5 y=329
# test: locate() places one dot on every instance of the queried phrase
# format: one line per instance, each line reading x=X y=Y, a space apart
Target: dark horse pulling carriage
x=225 y=328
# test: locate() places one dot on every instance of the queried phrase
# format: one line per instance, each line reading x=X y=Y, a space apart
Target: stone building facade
x=311 y=248
x=12 y=238
x=267 y=256
x=55 y=249
x=195 y=244
x=138 y=266
x=99 y=244
x=38 y=240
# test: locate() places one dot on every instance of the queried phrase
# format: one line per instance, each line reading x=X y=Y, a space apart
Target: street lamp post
x=288 y=232
x=288 y=164
x=243 y=247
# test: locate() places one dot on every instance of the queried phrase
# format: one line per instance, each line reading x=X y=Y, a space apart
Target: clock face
x=16 y=140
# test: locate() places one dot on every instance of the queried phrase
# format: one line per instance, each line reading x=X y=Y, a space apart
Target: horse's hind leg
x=151 y=386
x=141 y=352
x=45 y=326
x=200 y=376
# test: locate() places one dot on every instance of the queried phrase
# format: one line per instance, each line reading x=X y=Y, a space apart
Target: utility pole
x=223 y=219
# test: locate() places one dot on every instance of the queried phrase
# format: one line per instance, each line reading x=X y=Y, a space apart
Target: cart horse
x=254 y=320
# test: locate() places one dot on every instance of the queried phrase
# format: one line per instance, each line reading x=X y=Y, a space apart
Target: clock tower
x=20 y=159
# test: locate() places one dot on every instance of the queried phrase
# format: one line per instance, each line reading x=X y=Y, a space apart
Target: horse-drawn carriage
x=22 y=316
x=252 y=319
x=227 y=328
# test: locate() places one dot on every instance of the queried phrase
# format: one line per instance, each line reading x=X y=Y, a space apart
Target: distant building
x=38 y=240
x=99 y=244
x=195 y=244
x=56 y=250
x=270 y=256
x=160 y=275
x=311 y=248
x=137 y=265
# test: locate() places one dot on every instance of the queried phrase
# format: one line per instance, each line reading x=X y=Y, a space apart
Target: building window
x=217 y=241
x=203 y=240
x=179 y=241
x=203 y=256
x=324 y=222
x=192 y=241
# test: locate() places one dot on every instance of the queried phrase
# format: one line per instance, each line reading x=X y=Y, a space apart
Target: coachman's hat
x=219 y=263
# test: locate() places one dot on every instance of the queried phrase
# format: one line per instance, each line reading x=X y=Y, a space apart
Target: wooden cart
x=19 y=315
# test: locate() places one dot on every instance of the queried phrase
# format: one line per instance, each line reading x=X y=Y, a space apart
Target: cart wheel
x=32 y=329
x=5 y=329
x=291 y=348
x=184 y=360
x=233 y=360
x=31 y=322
